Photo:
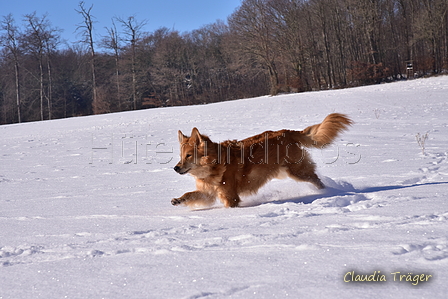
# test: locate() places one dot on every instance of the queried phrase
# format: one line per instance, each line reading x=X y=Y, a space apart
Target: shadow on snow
x=347 y=190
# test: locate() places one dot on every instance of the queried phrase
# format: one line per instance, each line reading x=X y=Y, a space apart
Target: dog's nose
x=176 y=168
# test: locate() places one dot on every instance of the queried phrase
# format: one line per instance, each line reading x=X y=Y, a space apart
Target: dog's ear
x=195 y=134
x=181 y=137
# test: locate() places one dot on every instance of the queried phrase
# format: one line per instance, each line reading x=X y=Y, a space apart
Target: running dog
x=233 y=168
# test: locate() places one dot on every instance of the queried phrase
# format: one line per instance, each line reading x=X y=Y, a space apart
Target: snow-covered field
x=85 y=206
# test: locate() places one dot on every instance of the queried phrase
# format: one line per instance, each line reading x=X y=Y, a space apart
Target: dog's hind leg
x=304 y=172
x=229 y=197
x=230 y=201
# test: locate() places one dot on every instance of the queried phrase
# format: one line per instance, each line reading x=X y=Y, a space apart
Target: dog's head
x=194 y=154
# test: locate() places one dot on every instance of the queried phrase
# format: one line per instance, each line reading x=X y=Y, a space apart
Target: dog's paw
x=176 y=201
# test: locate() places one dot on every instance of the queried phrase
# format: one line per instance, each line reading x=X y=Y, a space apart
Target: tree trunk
x=41 y=88
x=50 y=87
x=17 y=73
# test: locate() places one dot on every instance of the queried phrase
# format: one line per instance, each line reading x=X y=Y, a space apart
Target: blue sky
x=181 y=15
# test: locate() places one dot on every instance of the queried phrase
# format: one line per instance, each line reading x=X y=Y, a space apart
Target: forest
x=264 y=47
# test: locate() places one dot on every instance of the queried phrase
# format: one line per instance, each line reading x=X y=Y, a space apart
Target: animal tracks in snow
x=431 y=250
x=170 y=235
x=177 y=238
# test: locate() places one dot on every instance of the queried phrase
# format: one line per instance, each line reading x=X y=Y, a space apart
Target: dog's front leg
x=184 y=198
x=194 y=198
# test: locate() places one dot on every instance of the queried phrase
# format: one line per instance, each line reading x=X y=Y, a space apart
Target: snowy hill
x=85 y=204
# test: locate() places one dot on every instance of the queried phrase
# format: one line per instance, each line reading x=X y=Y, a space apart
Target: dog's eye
x=187 y=156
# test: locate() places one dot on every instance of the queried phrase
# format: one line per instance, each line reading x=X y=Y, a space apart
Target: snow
x=85 y=203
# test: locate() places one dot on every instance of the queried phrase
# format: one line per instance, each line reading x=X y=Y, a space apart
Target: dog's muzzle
x=179 y=170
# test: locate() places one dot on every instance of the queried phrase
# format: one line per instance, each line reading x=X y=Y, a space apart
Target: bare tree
x=51 y=41
x=10 y=41
x=170 y=70
x=86 y=30
x=132 y=30
x=33 y=40
x=112 y=42
x=40 y=40
x=252 y=24
x=431 y=27
x=288 y=18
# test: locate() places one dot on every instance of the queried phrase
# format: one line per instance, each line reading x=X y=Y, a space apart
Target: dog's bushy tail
x=323 y=134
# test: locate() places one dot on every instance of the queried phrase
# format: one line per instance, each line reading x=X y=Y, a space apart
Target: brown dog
x=233 y=168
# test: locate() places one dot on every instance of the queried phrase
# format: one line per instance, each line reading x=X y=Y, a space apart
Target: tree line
x=265 y=47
